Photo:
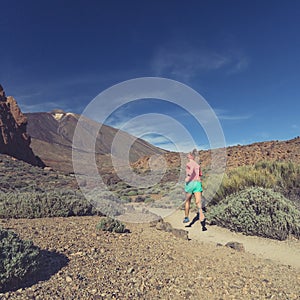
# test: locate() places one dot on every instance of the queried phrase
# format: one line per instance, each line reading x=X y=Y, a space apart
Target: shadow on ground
x=196 y=218
x=49 y=264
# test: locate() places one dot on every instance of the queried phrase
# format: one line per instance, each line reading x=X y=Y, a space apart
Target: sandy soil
x=80 y=262
x=283 y=252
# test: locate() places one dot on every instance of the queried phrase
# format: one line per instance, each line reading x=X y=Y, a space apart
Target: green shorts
x=193 y=187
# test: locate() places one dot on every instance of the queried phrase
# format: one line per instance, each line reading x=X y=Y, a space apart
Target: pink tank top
x=193 y=171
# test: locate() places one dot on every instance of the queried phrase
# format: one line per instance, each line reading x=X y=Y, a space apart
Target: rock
x=2 y=94
x=165 y=226
x=48 y=169
x=154 y=223
x=236 y=246
x=69 y=279
x=180 y=233
x=14 y=140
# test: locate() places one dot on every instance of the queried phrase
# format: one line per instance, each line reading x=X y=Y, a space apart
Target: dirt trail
x=283 y=252
x=80 y=262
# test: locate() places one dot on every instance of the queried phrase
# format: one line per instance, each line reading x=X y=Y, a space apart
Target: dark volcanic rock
x=14 y=140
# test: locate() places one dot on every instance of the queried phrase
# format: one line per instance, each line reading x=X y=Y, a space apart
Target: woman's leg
x=198 y=203
x=187 y=204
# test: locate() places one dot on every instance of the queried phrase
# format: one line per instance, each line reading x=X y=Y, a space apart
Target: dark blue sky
x=241 y=56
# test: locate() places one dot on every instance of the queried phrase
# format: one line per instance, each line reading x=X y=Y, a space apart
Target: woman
x=193 y=186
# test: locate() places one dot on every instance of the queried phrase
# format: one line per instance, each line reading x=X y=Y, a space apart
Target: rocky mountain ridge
x=240 y=155
x=14 y=139
x=50 y=136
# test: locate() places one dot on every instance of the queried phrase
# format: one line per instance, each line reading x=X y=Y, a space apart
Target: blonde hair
x=195 y=154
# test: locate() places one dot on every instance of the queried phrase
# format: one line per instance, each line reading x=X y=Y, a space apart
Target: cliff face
x=14 y=140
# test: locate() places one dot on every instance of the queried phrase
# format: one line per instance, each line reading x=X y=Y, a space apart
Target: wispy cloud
x=176 y=132
x=240 y=63
x=160 y=130
x=168 y=130
x=38 y=107
x=71 y=93
x=225 y=115
x=186 y=62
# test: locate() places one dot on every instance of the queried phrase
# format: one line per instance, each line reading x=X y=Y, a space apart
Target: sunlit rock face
x=14 y=140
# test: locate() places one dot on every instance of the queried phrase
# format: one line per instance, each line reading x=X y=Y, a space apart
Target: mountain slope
x=52 y=139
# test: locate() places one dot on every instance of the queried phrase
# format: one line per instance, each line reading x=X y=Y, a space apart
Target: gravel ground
x=80 y=262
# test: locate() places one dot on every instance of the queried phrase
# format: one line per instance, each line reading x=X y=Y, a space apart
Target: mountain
x=14 y=140
x=52 y=139
x=239 y=155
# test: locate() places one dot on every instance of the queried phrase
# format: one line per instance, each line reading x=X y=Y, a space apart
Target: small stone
x=48 y=169
x=69 y=279
x=236 y=246
x=180 y=233
x=165 y=226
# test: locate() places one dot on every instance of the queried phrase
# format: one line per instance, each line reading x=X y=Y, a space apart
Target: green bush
x=132 y=193
x=47 y=204
x=257 y=211
x=149 y=200
x=106 y=202
x=283 y=177
x=18 y=175
x=17 y=257
x=111 y=225
x=125 y=199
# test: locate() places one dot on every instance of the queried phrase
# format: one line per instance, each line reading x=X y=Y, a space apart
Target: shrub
x=149 y=200
x=125 y=199
x=106 y=202
x=283 y=177
x=17 y=257
x=47 y=204
x=132 y=193
x=257 y=211
x=111 y=225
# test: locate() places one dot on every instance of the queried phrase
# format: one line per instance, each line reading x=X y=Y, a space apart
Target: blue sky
x=241 y=56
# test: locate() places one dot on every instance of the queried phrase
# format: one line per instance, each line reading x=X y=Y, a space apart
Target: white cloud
x=162 y=131
x=225 y=116
x=186 y=62
x=38 y=107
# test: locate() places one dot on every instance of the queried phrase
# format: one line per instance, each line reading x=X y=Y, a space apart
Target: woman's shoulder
x=192 y=163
